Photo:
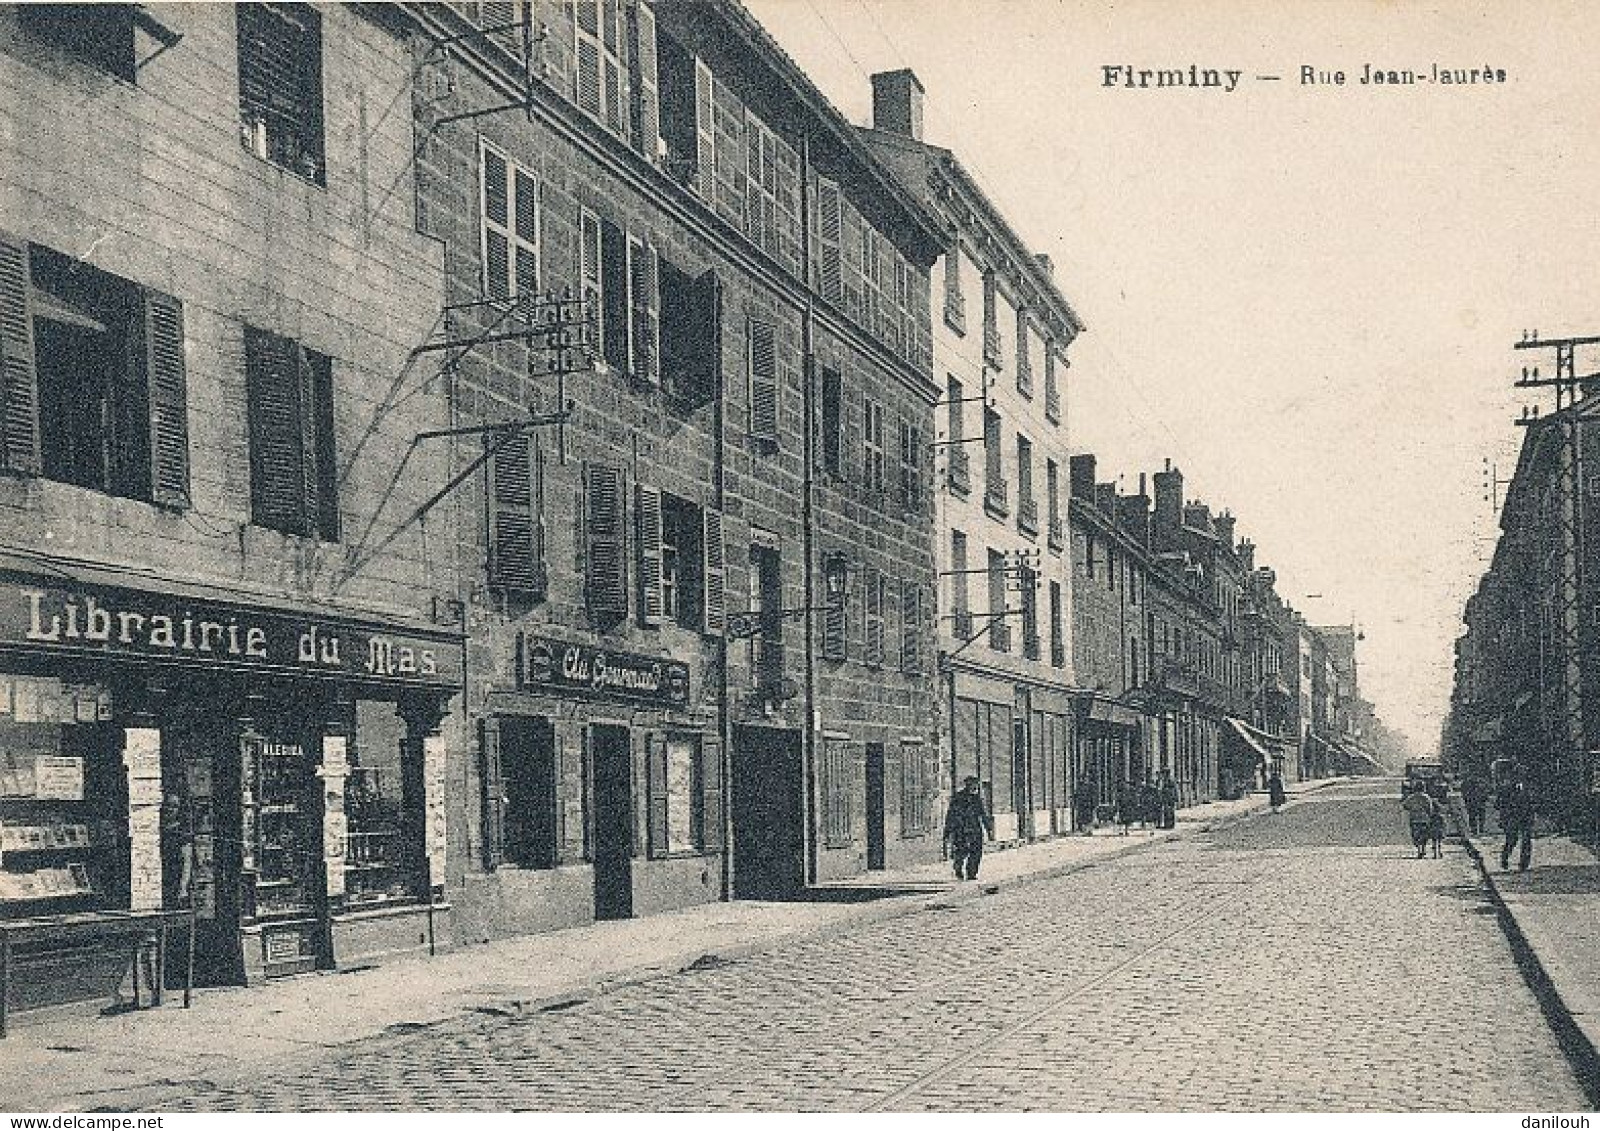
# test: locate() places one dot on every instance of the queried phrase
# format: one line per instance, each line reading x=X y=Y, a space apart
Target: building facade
x=999 y=350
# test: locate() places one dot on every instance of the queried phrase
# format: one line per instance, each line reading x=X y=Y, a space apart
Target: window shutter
x=19 y=440
x=494 y=793
x=604 y=537
x=647 y=514
x=711 y=807
x=614 y=294
x=589 y=261
x=587 y=27
x=872 y=596
x=323 y=475
x=516 y=534
x=277 y=439
x=169 y=402
x=752 y=178
x=494 y=177
x=835 y=622
x=830 y=248
x=647 y=129
x=705 y=137
x=644 y=295
x=615 y=77
x=703 y=368
x=526 y=228
x=656 y=793
x=713 y=604
x=763 y=381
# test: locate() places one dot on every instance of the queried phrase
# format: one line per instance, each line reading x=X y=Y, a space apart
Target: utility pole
x=1570 y=768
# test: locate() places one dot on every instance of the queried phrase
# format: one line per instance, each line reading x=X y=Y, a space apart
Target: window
x=521 y=775
x=691 y=338
x=991 y=320
x=1024 y=356
x=838 y=823
x=1058 y=643
x=1052 y=390
x=836 y=606
x=622 y=285
x=994 y=465
x=910 y=467
x=1028 y=582
x=98 y=34
x=875 y=472
x=675 y=71
x=959 y=602
x=915 y=797
x=1027 y=507
x=509 y=205
x=294 y=483
x=602 y=80
x=874 y=584
x=999 y=630
x=830 y=242
x=955 y=303
x=763 y=382
x=1052 y=500
x=516 y=524
x=677 y=793
x=955 y=447
x=94 y=386
x=761 y=184
x=280 y=86
x=766 y=603
x=682 y=564
x=383 y=848
x=832 y=423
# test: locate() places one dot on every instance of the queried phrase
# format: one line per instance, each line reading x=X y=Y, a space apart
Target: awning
x=1244 y=731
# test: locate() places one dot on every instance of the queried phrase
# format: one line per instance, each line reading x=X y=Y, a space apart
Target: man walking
x=1475 y=796
x=966 y=825
x=1516 y=818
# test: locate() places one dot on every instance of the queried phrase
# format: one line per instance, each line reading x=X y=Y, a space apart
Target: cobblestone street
x=1303 y=961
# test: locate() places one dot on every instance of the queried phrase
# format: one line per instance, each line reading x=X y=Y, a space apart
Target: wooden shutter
x=586 y=15
x=616 y=79
x=711 y=796
x=647 y=97
x=316 y=372
x=872 y=617
x=763 y=381
x=614 y=294
x=607 y=580
x=494 y=176
x=647 y=516
x=525 y=226
x=277 y=438
x=830 y=248
x=705 y=135
x=713 y=608
x=644 y=299
x=910 y=627
x=703 y=367
x=516 y=533
x=169 y=401
x=494 y=793
x=835 y=622
x=19 y=383
x=656 y=794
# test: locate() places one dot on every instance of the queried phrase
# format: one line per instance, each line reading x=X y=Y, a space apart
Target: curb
x=1580 y=1051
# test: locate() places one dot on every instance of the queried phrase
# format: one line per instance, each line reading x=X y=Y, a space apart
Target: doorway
x=610 y=753
x=1020 y=798
x=875 y=807
x=768 y=814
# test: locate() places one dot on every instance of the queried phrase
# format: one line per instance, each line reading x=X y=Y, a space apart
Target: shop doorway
x=875 y=807
x=768 y=789
x=611 y=759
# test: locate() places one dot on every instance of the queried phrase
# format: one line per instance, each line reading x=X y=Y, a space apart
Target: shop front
x=269 y=774
x=1108 y=755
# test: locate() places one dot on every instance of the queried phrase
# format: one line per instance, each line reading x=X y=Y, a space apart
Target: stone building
x=999 y=349
x=227 y=637
x=696 y=562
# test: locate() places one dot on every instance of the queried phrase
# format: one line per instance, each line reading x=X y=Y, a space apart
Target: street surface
x=1303 y=961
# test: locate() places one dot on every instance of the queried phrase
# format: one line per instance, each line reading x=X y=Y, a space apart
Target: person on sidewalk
x=1083 y=803
x=1167 y=796
x=1125 y=807
x=1475 y=796
x=1439 y=794
x=1276 y=795
x=966 y=825
x=1419 y=816
x=1516 y=818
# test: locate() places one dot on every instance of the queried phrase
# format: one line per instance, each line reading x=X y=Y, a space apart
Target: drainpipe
x=719 y=498
x=808 y=378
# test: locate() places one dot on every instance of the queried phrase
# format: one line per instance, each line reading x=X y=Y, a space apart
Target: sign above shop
x=579 y=669
x=52 y=617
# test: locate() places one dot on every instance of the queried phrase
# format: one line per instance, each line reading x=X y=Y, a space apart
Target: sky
x=1304 y=295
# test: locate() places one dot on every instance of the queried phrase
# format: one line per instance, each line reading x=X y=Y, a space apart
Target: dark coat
x=966 y=822
x=1275 y=791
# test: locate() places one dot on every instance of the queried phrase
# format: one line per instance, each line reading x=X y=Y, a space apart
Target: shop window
x=510 y=233
x=294 y=485
x=838 y=820
x=677 y=777
x=691 y=339
x=383 y=805
x=95 y=391
x=98 y=34
x=282 y=841
x=521 y=781
x=874 y=465
x=832 y=422
x=280 y=86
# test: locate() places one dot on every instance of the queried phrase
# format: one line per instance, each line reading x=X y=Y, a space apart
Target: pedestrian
x=966 y=825
x=1149 y=807
x=1475 y=796
x=1439 y=794
x=1275 y=792
x=1125 y=804
x=1516 y=818
x=1083 y=802
x=1419 y=816
x=1167 y=796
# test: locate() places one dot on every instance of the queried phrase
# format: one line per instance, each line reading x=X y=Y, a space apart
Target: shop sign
x=103 y=621
x=580 y=669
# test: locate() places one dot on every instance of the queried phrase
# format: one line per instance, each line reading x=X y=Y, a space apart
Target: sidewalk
x=1551 y=914
x=82 y=1063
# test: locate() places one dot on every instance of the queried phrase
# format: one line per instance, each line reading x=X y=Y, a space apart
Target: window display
x=383 y=853
x=279 y=841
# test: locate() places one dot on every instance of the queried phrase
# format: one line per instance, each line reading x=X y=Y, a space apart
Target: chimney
x=897 y=103
x=1247 y=556
x=1169 y=503
x=1198 y=516
x=1105 y=499
x=1081 y=471
x=1133 y=514
x=1224 y=523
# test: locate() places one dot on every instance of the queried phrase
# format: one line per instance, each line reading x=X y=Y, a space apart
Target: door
x=610 y=751
x=875 y=806
x=1019 y=777
x=767 y=795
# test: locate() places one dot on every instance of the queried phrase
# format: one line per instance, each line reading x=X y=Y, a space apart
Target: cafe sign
x=579 y=669
x=72 y=619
